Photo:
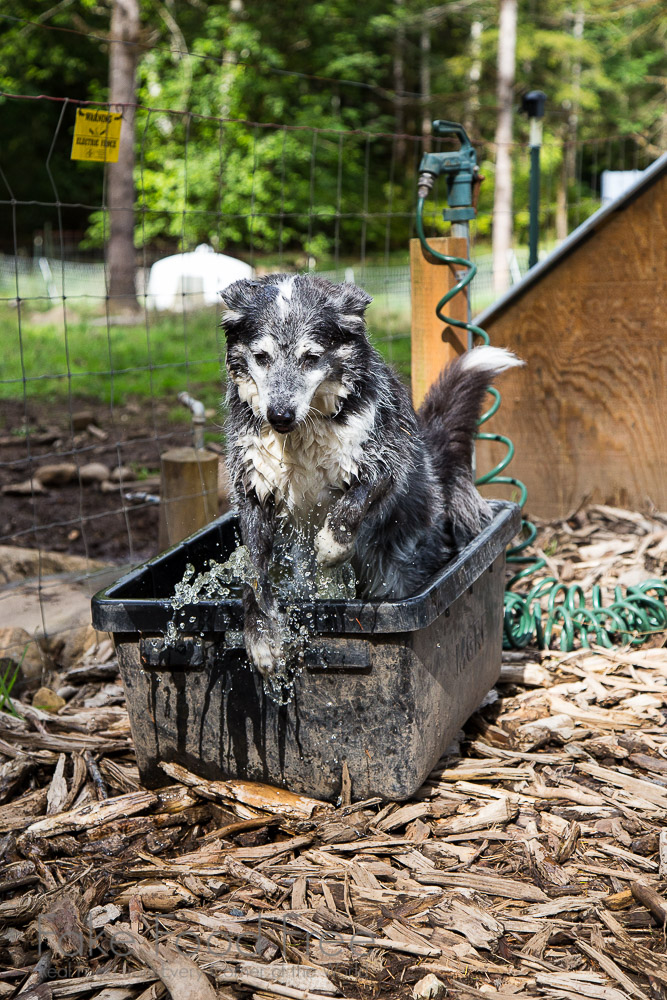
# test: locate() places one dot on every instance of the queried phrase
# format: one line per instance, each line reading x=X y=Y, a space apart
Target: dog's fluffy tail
x=449 y=416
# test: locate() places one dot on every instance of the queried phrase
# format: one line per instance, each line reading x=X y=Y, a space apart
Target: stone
x=18 y=563
x=59 y=474
x=81 y=419
x=69 y=647
x=429 y=988
x=50 y=607
x=94 y=472
x=24 y=489
x=120 y=473
x=97 y=432
x=48 y=700
x=18 y=647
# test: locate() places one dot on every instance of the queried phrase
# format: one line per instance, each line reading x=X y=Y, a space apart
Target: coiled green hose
x=551 y=610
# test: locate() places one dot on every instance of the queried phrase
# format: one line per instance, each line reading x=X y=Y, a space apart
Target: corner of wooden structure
x=434 y=344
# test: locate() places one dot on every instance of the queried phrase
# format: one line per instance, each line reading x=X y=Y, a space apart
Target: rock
x=18 y=647
x=81 y=419
x=25 y=489
x=94 y=472
x=54 y=606
x=429 y=988
x=47 y=700
x=110 y=487
x=70 y=647
x=97 y=432
x=19 y=563
x=59 y=474
x=120 y=473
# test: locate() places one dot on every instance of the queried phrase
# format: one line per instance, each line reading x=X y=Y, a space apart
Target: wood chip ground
x=531 y=864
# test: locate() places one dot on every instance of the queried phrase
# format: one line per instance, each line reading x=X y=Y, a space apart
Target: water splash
x=296 y=578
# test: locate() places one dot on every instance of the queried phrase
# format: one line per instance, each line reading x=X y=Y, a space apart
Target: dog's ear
x=350 y=303
x=236 y=300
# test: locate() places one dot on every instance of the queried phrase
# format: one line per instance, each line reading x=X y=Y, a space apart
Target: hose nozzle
x=425 y=183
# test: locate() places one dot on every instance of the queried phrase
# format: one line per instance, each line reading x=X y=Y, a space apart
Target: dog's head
x=295 y=344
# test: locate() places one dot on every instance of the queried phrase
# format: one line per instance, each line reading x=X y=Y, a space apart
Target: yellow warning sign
x=96 y=135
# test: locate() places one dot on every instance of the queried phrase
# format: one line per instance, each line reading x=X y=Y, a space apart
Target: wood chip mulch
x=532 y=863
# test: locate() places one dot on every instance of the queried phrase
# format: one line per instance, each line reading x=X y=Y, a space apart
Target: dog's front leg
x=262 y=627
x=336 y=540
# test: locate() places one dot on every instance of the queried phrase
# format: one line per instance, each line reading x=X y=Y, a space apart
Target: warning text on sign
x=96 y=135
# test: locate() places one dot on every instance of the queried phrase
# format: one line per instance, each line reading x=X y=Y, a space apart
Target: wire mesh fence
x=85 y=383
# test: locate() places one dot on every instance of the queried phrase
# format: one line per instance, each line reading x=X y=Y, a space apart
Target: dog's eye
x=261 y=357
x=310 y=358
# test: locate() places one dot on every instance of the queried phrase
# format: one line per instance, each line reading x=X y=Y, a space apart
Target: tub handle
x=193 y=653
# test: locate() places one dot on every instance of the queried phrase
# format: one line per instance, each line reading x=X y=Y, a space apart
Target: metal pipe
x=198 y=417
x=533 y=104
x=534 y=230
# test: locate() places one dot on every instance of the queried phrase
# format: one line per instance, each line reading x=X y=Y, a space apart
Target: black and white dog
x=322 y=433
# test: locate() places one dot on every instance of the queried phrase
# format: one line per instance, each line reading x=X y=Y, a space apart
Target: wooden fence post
x=188 y=494
x=434 y=345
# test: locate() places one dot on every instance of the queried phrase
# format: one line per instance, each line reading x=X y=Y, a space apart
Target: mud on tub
x=385 y=687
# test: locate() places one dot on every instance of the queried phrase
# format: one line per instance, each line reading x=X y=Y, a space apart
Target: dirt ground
x=84 y=520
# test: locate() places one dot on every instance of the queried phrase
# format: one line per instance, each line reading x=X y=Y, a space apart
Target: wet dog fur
x=321 y=433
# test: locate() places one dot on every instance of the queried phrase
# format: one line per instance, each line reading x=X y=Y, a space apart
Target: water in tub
x=296 y=576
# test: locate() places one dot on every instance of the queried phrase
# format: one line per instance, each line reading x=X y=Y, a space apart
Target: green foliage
x=9 y=672
x=210 y=168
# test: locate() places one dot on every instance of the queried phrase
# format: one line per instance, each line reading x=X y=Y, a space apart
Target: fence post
x=434 y=345
x=188 y=494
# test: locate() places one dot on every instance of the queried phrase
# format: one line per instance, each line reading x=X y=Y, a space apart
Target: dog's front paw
x=265 y=648
x=331 y=551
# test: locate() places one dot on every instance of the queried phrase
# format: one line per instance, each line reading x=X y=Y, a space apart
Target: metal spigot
x=198 y=417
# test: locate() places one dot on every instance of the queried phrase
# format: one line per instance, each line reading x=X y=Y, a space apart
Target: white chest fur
x=298 y=468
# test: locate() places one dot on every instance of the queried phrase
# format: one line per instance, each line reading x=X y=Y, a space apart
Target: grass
x=83 y=357
x=50 y=359
x=9 y=671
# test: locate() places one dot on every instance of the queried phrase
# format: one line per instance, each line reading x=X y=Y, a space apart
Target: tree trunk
x=561 y=199
x=123 y=59
x=425 y=79
x=570 y=146
x=571 y=71
x=474 y=76
x=399 y=83
x=502 y=199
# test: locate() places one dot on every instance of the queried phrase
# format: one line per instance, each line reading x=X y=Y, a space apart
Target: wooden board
x=588 y=414
x=433 y=344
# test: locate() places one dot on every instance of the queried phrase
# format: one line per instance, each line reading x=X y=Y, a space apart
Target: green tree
x=209 y=71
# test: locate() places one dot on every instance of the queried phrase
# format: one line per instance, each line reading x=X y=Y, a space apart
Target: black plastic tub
x=386 y=686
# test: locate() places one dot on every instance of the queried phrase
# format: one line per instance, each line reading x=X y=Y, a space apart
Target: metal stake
x=533 y=105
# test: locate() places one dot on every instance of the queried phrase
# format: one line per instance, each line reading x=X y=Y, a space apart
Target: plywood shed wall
x=588 y=414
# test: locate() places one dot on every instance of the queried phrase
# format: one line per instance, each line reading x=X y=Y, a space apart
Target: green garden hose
x=551 y=610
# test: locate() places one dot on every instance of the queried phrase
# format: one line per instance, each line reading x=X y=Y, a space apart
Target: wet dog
x=321 y=434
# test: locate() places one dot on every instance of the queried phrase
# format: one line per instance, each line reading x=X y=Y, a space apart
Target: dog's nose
x=281 y=418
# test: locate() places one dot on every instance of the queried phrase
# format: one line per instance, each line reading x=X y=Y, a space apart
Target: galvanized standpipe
x=463 y=181
x=533 y=105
